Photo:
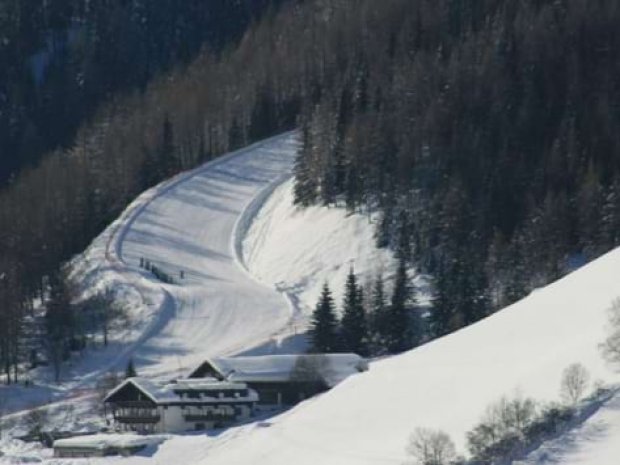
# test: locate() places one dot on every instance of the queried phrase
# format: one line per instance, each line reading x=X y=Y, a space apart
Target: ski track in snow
x=218 y=308
x=193 y=222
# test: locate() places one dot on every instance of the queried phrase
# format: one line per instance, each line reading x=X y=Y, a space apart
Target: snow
x=448 y=383
x=191 y=224
x=297 y=250
x=104 y=441
x=336 y=368
x=169 y=393
x=595 y=442
x=252 y=276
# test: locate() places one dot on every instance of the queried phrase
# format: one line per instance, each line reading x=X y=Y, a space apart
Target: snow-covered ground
x=446 y=384
x=193 y=224
x=298 y=250
x=595 y=442
x=239 y=294
x=209 y=223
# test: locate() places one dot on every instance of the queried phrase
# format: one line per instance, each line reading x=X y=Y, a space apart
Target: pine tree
x=324 y=325
x=168 y=158
x=404 y=237
x=59 y=322
x=306 y=188
x=442 y=312
x=354 y=328
x=130 y=370
x=378 y=318
x=398 y=313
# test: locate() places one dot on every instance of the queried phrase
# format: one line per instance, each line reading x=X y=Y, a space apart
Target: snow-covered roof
x=206 y=384
x=211 y=391
x=280 y=368
x=105 y=441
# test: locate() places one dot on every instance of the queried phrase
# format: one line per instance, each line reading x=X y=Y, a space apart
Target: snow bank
x=297 y=250
x=105 y=441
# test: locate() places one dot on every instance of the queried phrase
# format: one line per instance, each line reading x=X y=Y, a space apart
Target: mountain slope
x=446 y=384
x=297 y=250
x=192 y=224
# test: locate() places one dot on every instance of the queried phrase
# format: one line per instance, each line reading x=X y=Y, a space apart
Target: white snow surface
x=595 y=442
x=192 y=223
x=334 y=367
x=196 y=222
x=446 y=384
x=103 y=441
x=298 y=250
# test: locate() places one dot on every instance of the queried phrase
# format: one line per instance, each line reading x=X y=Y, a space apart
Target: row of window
x=194 y=394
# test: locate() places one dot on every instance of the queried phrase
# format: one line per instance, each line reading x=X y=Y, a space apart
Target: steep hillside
x=446 y=384
x=188 y=228
x=297 y=250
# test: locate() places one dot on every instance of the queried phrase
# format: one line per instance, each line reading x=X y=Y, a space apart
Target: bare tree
x=2 y=408
x=431 y=447
x=611 y=346
x=575 y=381
x=104 y=311
x=104 y=385
x=310 y=368
x=36 y=420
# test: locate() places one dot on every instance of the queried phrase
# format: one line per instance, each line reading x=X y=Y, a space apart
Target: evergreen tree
x=442 y=312
x=169 y=163
x=398 y=312
x=378 y=320
x=130 y=370
x=354 y=329
x=59 y=322
x=305 y=190
x=324 y=324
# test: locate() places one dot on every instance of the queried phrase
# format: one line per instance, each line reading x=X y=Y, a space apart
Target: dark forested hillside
x=482 y=133
x=485 y=134
x=60 y=59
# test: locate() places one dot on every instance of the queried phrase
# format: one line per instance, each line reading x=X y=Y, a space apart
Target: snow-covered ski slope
x=298 y=250
x=446 y=384
x=193 y=224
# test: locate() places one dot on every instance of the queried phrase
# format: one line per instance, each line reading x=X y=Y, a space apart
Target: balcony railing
x=196 y=417
x=137 y=418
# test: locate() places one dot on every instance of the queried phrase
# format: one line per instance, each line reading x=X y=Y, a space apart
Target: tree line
x=480 y=133
x=371 y=323
x=60 y=59
x=52 y=211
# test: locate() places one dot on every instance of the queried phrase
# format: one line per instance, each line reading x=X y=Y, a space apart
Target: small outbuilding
x=103 y=445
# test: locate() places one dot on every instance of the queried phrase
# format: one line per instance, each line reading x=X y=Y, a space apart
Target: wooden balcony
x=199 y=417
x=136 y=419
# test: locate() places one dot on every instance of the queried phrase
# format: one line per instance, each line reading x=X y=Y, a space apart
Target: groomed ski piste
x=191 y=228
x=446 y=384
x=209 y=223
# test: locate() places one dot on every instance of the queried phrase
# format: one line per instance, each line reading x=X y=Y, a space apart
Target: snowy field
x=298 y=250
x=448 y=384
x=216 y=225
x=251 y=277
x=192 y=225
